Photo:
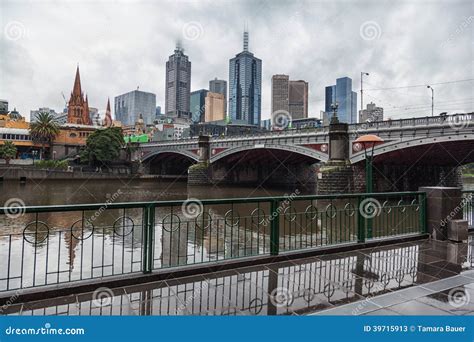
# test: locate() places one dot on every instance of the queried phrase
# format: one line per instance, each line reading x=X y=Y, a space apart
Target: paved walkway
x=417 y=278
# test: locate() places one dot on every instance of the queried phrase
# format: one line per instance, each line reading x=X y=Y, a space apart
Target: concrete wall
x=15 y=173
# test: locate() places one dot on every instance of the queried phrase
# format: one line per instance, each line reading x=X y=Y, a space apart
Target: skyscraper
x=371 y=114
x=280 y=93
x=129 y=106
x=178 y=85
x=346 y=100
x=214 y=107
x=219 y=87
x=197 y=103
x=298 y=99
x=245 y=86
x=290 y=96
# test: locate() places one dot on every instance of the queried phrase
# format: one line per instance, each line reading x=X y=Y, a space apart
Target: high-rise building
x=78 y=106
x=60 y=118
x=280 y=93
x=219 y=87
x=129 y=106
x=290 y=96
x=346 y=100
x=178 y=85
x=197 y=103
x=298 y=99
x=371 y=114
x=245 y=86
x=214 y=107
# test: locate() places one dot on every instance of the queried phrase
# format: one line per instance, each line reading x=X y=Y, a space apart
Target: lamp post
x=361 y=89
x=368 y=143
x=432 y=99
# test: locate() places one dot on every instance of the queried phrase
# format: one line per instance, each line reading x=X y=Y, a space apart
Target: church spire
x=76 y=90
x=108 y=115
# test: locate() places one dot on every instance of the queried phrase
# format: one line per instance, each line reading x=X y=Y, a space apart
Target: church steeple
x=108 y=115
x=78 y=107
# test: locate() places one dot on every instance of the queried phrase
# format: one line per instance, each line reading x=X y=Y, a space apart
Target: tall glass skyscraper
x=178 y=85
x=245 y=86
x=129 y=107
x=197 y=103
x=346 y=99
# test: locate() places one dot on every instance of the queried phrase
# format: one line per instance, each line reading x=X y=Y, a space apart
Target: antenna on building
x=138 y=87
x=246 y=38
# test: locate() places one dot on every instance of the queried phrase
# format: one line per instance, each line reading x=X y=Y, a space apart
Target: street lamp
x=432 y=99
x=361 y=89
x=368 y=143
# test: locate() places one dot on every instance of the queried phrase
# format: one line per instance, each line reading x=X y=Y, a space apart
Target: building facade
x=280 y=93
x=290 y=96
x=346 y=100
x=371 y=114
x=197 y=104
x=298 y=99
x=129 y=106
x=3 y=107
x=219 y=87
x=61 y=118
x=78 y=105
x=178 y=85
x=214 y=107
x=245 y=86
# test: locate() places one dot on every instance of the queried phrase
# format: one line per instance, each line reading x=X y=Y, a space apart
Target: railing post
x=274 y=228
x=360 y=221
x=148 y=224
x=422 y=215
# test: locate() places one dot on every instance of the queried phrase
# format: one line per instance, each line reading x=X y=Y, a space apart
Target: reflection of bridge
x=440 y=142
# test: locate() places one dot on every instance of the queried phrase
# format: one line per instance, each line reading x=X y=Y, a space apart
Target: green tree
x=103 y=146
x=44 y=130
x=7 y=151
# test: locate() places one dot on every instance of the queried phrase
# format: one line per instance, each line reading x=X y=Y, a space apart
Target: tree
x=7 y=151
x=44 y=130
x=103 y=146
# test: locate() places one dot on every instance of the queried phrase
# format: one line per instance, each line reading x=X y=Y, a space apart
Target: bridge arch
x=169 y=162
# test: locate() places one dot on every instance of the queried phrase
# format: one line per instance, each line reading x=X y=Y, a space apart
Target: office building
x=61 y=118
x=290 y=96
x=214 y=107
x=298 y=99
x=178 y=85
x=197 y=104
x=245 y=86
x=371 y=114
x=129 y=107
x=3 y=107
x=346 y=100
x=219 y=87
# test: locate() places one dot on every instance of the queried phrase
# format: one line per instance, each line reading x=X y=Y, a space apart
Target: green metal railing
x=46 y=245
x=468 y=209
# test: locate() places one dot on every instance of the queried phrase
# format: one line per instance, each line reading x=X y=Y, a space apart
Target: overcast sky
x=120 y=45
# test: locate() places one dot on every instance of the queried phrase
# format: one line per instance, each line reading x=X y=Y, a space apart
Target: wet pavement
x=423 y=277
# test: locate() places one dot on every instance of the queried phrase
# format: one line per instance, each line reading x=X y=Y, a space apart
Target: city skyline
x=396 y=55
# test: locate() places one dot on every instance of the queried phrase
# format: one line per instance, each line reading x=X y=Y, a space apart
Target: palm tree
x=7 y=151
x=44 y=130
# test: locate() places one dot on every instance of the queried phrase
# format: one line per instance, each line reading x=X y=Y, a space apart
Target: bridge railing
x=46 y=245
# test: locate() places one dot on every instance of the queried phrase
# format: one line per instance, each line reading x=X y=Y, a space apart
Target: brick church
x=78 y=106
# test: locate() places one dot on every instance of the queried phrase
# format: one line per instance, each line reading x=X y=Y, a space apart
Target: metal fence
x=468 y=209
x=47 y=245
